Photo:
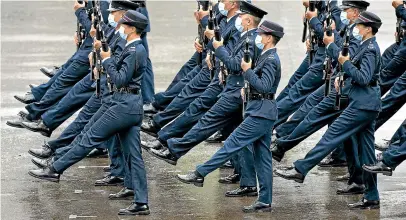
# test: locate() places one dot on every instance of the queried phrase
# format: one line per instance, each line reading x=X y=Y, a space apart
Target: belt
x=371 y=84
x=129 y=90
x=260 y=96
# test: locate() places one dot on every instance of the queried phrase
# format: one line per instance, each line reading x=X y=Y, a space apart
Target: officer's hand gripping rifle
x=328 y=67
x=341 y=101
x=312 y=36
x=96 y=54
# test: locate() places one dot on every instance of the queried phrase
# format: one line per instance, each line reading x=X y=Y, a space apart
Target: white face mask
x=344 y=19
x=356 y=34
x=238 y=24
x=111 y=21
x=222 y=9
x=122 y=34
x=258 y=42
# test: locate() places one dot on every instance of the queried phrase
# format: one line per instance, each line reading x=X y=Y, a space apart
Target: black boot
x=291 y=174
x=165 y=155
x=192 y=178
x=154 y=144
x=38 y=126
x=277 y=154
x=43 y=153
x=243 y=191
x=27 y=98
x=98 y=153
x=331 y=162
x=50 y=72
x=149 y=108
x=109 y=181
x=42 y=163
x=365 y=204
x=257 y=207
x=344 y=178
x=135 y=209
x=231 y=179
x=352 y=189
x=123 y=194
x=150 y=127
x=227 y=165
x=380 y=167
x=17 y=123
x=47 y=173
x=217 y=137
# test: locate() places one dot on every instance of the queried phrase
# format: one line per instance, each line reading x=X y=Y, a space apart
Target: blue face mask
x=258 y=42
x=356 y=34
x=238 y=24
x=222 y=10
x=122 y=34
x=344 y=19
x=111 y=21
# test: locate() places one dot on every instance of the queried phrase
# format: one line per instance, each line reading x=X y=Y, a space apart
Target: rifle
x=200 y=31
x=79 y=31
x=399 y=30
x=328 y=68
x=247 y=58
x=341 y=101
x=210 y=26
x=312 y=36
x=97 y=18
x=304 y=35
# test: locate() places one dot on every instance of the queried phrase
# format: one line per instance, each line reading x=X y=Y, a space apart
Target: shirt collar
x=264 y=51
x=243 y=33
x=228 y=19
x=129 y=42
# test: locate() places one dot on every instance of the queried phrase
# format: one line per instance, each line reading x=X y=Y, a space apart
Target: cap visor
x=343 y=7
x=113 y=9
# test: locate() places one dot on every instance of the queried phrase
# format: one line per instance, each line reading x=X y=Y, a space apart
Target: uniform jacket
x=264 y=79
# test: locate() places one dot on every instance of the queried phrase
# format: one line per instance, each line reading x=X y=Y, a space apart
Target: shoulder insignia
x=132 y=49
x=371 y=46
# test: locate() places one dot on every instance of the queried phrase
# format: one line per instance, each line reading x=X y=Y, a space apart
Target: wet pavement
x=36 y=34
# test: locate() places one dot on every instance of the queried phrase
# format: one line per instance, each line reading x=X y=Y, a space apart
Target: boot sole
x=194 y=183
x=45 y=73
x=386 y=173
x=243 y=195
x=43 y=133
x=370 y=207
x=223 y=182
x=333 y=165
x=287 y=178
x=122 y=198
x=277 y=158
x=259 y=210
x=37 y=156
x=37 y=164
x=110 y=184
x=23 y=101
x=350 y=193
x=14 y=125
x=44 y=178
x=171 y=162
x=135 y=213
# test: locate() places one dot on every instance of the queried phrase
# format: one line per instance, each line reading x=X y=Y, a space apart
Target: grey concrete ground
x=36 y=34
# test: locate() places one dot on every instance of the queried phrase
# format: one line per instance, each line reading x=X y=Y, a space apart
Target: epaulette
x=371 y=45
x=132 y=49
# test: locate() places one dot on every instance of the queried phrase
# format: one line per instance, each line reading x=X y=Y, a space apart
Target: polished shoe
x=330 y=162
x=45 y=174
x=231 y=179
x=32 y=86
x=243 y=191
x=17 y=123
x=149 y=108
x=150 y=127
x=192 y=178
x=343 y=178
x=44 y=152
x=48 y=71
x=365 y=204
x=135 y=209
x=107 y=169
x=42 y=163
x=277 y=154
x=382 y=145
x=98 y=153
x=257 y=207
x=291 y=174
x=23 y=113
x=27 y=98
x=155 y=144
x=164 y=154
x=379 y=157
x=380 y=167
x=38 y=126
x=124 y=193
x=217 y=137
x=109 y=181
x=227 y=165
x=352 y=189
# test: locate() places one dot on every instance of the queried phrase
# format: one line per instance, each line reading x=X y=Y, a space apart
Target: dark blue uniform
x=396 y=152
x=358 y=118
x=227 y=108
x=72 y=74
x=198 y=84
x=255 y=130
